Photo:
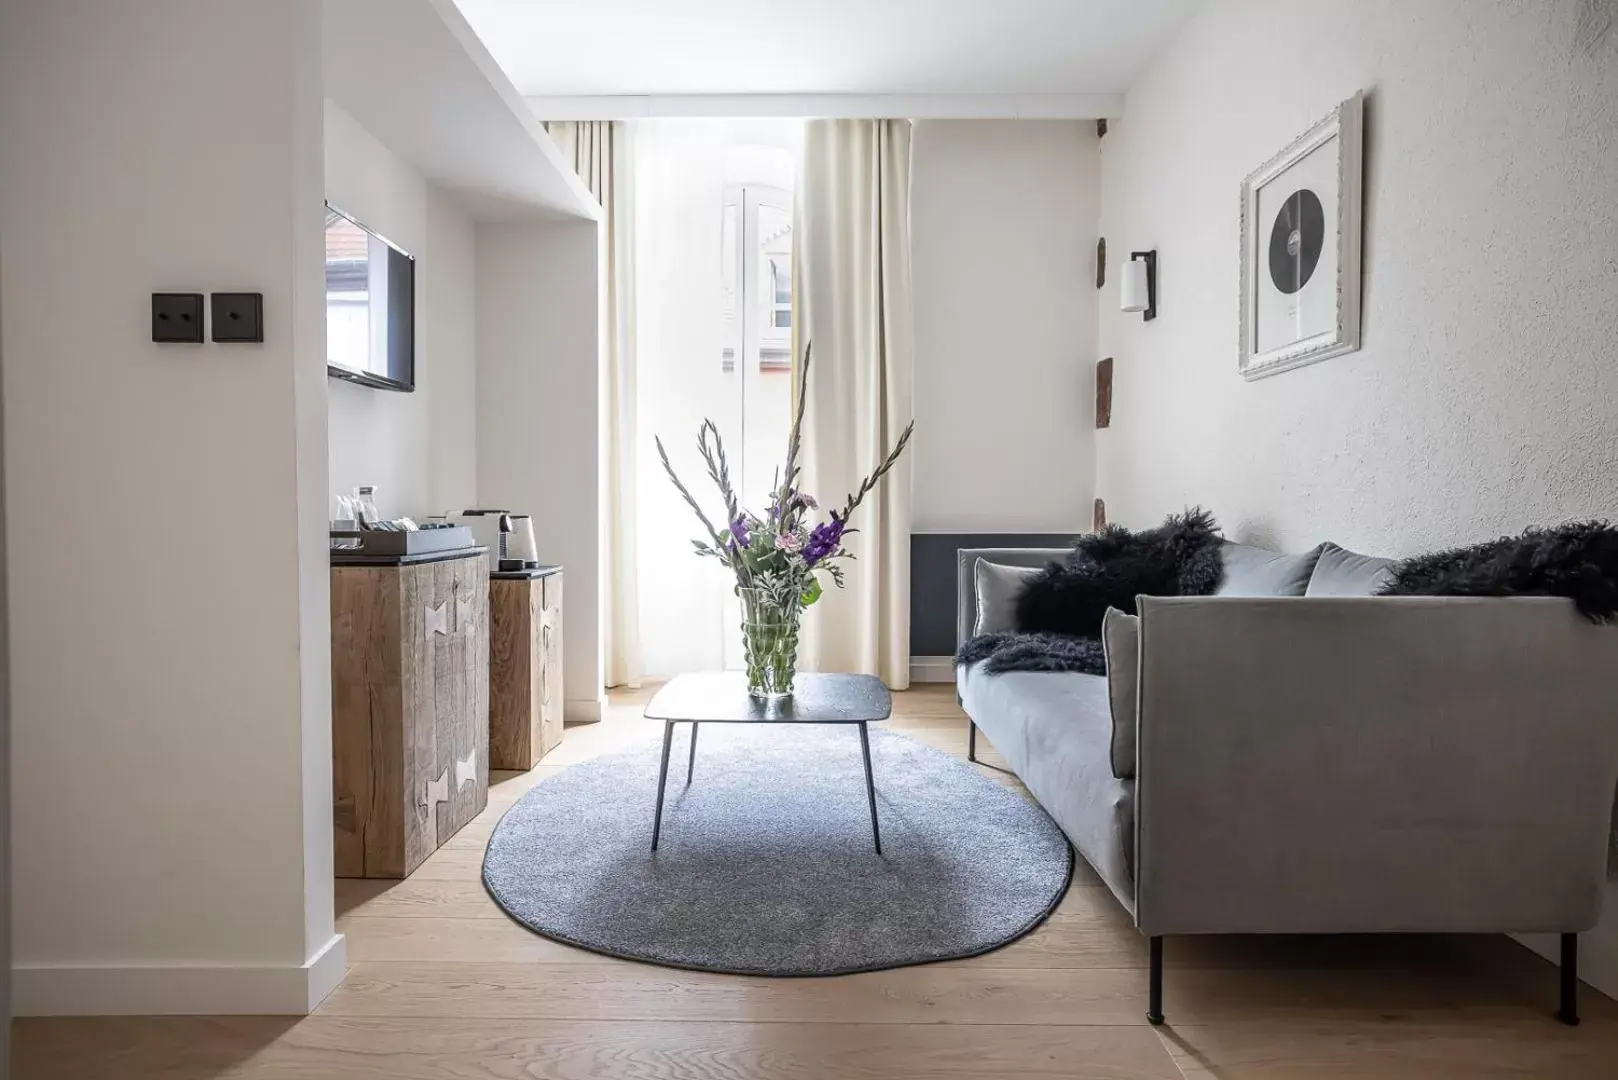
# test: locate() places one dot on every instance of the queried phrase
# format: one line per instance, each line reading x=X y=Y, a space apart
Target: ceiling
x=557 y=48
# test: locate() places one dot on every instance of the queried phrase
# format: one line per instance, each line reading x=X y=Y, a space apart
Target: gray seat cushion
x=1120 y=640
x=997 y=588
x=1055 y=731
x=1340 y=572
x=1251 y=571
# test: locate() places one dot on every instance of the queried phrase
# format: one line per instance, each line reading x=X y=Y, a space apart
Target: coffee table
x=722 y=698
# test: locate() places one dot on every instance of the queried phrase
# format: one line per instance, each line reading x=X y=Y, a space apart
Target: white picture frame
x=1290 y=314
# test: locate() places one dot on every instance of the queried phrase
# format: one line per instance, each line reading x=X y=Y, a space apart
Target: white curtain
x=680 y=183
x=853 y=304
x=603 y=156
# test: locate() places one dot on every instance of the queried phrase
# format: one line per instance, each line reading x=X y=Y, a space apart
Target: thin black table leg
x=691 y=763
x=870 y=785
x=1569 y=1011
x=662 y=781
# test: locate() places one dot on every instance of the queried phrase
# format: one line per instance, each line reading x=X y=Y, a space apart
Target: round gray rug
x=766 y=865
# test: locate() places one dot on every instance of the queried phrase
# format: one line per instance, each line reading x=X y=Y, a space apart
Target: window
x=756 y=276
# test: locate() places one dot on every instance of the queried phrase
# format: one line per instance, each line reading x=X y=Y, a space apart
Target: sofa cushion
x=1120 y=638
x=1251 y=571
x=997 y=589
x=1054 y=730
x=1341 y=572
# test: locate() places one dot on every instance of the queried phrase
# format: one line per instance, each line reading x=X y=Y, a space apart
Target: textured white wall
x=1003 y=233
x=417 y=449
x=539 y=409
x=1485 y=397
x=171 y=727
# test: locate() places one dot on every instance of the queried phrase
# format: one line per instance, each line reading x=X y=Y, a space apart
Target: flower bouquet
x=779 y=555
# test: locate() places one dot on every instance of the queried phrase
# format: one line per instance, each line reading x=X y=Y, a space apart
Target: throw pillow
x=1251 y=571
x=1120 y=638
x=1341 y=572
x=1108 y=569
x=1578 y=560
x=997 y=588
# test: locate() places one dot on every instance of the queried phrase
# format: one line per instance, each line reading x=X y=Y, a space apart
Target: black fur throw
x=1060 y=609
x=1034 y=652
x=1578 y=560
x=1111 y=567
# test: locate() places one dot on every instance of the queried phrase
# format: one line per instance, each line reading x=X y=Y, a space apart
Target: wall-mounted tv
x=370 y=306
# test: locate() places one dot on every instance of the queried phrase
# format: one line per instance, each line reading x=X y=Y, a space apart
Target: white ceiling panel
x=556 y=48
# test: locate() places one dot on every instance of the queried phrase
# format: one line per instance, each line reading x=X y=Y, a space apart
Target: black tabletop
x=722 y=698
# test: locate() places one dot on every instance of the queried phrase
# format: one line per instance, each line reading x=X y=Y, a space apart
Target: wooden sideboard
x=525 y=667
x=410 y=709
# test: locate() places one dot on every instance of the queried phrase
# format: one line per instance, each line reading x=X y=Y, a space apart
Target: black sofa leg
x=1154 y=988
x=971 y=741
x=1569 y=1011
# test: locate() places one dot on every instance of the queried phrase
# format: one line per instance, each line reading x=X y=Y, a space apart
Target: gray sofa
x=1307 y=760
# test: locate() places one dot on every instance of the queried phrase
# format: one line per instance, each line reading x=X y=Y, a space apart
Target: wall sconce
x=1137 y=284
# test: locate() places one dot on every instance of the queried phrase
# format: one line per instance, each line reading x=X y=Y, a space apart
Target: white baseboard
x=326 y=970
x=932 y=669
x=178 y=990
x=581 y=711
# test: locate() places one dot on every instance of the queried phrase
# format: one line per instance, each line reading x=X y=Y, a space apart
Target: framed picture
x=1300 y=260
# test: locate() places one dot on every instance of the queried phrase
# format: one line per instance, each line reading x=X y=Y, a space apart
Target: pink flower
x=788 y=542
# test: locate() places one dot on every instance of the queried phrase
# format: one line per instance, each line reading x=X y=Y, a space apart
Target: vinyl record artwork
x=1300 y=257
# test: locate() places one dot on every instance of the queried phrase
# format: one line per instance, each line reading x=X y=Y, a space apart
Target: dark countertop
x=345 y=558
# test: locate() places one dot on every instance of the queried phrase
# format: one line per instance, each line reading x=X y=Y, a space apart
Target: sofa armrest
x=966 y=594
x=1373 y=764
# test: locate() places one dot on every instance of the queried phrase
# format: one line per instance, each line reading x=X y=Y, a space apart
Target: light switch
x=177 y=318
x=238 y=317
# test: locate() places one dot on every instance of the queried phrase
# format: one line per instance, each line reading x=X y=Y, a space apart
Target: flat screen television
x=370 y=306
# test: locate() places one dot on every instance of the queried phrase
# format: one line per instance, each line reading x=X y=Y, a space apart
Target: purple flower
x=738 y=532
x=824 y=540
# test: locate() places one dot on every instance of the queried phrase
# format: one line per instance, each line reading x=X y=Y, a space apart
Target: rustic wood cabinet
x=525 y=668
x=410 y=710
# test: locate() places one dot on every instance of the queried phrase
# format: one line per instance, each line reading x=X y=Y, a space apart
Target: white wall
x=1003 y=235
x=539 y=430
x=417 y=449
x=446 y=280
x=171 y=754
x=1485 y=397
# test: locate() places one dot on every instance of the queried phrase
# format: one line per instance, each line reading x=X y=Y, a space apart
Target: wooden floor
x=443 y=985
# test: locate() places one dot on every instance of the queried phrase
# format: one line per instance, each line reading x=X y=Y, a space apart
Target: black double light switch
x=238 y=316
x=177 y=317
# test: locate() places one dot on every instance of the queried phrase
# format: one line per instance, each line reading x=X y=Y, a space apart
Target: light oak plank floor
x=443 y=985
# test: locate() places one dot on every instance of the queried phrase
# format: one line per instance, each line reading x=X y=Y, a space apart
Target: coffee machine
x=521 y=551
x=508 y=536
x=489 y=528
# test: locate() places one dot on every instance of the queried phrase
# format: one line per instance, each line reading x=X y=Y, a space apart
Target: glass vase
x=770 y=640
